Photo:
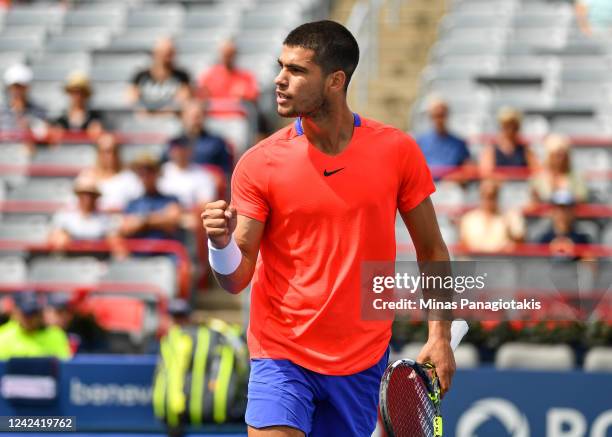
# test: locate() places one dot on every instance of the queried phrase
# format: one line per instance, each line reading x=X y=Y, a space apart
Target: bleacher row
x=521 y=53
x=516 y=355
x=111 y=40
x=530 y=55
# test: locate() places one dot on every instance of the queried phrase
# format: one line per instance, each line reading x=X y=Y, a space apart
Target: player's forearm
x=439 y=330
x=238 y=280
x=433 y=252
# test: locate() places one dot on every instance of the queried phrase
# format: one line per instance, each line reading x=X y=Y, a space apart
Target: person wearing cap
x=84 y=332
x=562 y=235
x=443 y=151
x=486 y=228
x=78 y=117
x=556 y=173
x=153 y=215
x=189 y=182
x=83 y=221
x=208 y=149
x=117 y=183
x=509 y=151
x=26 y=335
x=19 y=116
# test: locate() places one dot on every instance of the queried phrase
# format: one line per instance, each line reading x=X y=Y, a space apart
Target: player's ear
x=337 y=79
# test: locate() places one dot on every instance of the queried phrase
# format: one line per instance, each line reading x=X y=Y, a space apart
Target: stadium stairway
x=407 y=31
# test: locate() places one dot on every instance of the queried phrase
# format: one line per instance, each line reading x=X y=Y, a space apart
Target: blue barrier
x=113 y=394
x=489 y=402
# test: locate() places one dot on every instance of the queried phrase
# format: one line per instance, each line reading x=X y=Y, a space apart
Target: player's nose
x=281 y=80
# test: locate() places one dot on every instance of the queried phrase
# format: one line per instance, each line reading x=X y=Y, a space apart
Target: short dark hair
x=334 y=46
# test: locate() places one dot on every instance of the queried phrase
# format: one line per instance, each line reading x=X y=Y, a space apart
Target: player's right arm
x=220 y=222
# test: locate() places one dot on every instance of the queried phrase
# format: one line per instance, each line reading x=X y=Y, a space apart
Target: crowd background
x=119 y=120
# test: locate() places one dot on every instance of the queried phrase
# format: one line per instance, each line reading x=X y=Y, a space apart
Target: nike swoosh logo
x=329 y=173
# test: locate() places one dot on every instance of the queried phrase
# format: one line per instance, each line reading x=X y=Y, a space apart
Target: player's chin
x=286 y=112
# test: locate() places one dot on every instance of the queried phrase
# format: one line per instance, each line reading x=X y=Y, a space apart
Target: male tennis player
x=316 y=199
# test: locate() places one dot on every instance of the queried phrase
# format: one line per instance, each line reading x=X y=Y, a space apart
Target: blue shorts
x=282 y=393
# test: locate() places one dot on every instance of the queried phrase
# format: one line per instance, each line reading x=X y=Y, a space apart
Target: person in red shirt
x=309 y=205
x=225 y=81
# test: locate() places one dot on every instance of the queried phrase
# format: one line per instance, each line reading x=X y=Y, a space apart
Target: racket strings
x=410 y=409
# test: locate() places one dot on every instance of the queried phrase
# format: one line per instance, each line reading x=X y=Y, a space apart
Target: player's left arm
x=425 y=233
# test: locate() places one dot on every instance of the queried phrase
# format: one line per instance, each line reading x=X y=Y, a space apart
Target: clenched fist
x=219 y=220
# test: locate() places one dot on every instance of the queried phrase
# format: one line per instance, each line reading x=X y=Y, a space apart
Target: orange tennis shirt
x=324 y=215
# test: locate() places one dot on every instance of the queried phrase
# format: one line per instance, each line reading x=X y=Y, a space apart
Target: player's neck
x=330 y=132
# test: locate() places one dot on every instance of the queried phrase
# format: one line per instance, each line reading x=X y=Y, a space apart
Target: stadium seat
x=466 y=356
x=113 y=73
x=590 y=159
x=43 y=190
x=514 y=194
x=80 y=61
x=168 y=125
x=109 y=96
x=606 y=235
x=118 y=313
x=158 y=272
x=11 y=58
x=236 y=130
x=410 y=350
x=598 y=359
x=85 y=18
x=168 y=17
x=24 y=232
x=78 y=155
x=200 y=42
x=77 y=271
x=13 y=271
x=14 y=154
x=50 y=95
x=534 y=357
x=49 y=16
x=26 y=43
x=211 y=19
x=136 y=40
x=78 y=40
x=448 y=194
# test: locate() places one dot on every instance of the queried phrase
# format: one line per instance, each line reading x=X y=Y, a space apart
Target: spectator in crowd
x=188 y=182
x=162 y=87
x=117 y=185
x=179 y=311
x=84 y=222
x=84 y=332
x=443 y=150
x=594 y=17
x=486 y=228
x=556 y=174
x=78 y=117
x=20 y=117
x=153 y=215
x=226 y=81
x=562 y=235
x=208 y=149
x=508 y=151
x=26 y=334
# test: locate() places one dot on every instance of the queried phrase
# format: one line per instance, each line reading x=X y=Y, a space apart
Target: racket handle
x=458 y=329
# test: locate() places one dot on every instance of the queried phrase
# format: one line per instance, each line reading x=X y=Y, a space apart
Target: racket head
x=410 y=400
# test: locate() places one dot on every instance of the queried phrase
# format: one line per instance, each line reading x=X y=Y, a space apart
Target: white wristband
x=224 y=261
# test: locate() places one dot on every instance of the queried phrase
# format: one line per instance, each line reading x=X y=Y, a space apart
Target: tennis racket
x=410 y=395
